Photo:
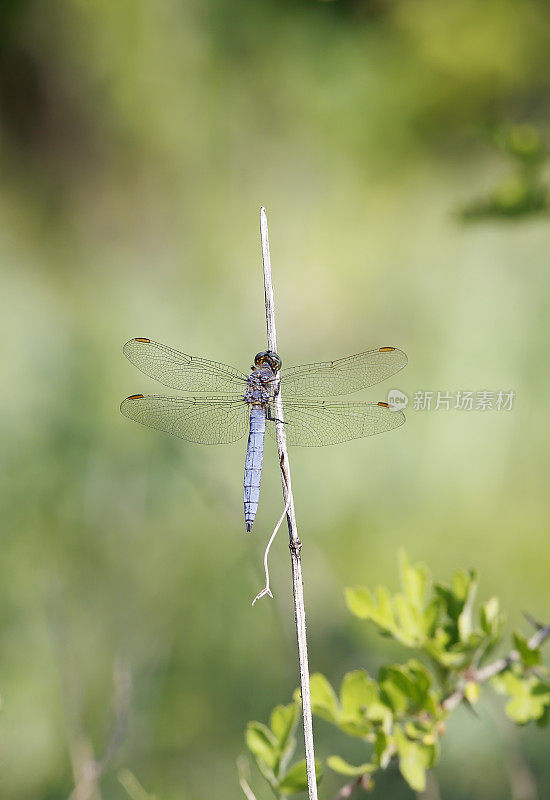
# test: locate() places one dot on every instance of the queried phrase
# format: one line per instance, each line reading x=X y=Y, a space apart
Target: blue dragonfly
x=239 y=403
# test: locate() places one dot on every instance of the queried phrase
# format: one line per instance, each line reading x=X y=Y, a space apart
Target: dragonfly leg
x=273 y=419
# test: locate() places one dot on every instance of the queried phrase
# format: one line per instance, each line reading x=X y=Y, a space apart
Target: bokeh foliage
x=402 y=715
x=137 y=141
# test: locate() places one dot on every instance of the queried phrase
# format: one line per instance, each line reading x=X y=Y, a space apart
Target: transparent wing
x=342 y=376
x=205 y=420
x=312 y=424
x=180 y=371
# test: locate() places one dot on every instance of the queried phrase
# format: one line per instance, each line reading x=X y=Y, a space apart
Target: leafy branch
x=273 y=746
x=401 y=714
x=528 y=653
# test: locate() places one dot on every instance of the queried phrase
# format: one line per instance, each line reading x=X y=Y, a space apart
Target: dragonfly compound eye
x=269 y=357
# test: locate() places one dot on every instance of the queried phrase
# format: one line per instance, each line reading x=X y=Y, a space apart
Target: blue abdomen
x=253 y=464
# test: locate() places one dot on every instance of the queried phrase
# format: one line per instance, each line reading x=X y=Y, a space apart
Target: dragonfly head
x=269 y=357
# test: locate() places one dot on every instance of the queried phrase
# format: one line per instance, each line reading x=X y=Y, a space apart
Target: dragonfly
x=230 y=403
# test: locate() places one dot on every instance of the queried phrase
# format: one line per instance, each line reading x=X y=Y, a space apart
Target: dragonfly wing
x=180 y=371
x=312 y=424
x=205 y=420
x=343 y=376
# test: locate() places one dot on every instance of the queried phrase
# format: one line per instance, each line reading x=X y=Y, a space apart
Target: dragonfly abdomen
x=253 y=464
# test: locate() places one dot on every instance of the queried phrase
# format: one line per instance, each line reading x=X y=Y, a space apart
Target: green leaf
x=357 y=692
x=400 y=677
x=402 y=616
x=422 y=676
x=529 y=657
x=460 y=584
x=431 y=750
x=492 y=622
x=414 y=580
x=383 y=749
x=413 y=760
x=296 y=778
x=451 y=605
x=263 y=745
x=489 y=614
x=359 y=601
x=405 y=687
x=261 y=742
x=528 y=696
x=432 y=616
x=396 y=697
x=380 y=713
x=323 y=698
x=282 y=721
x=411 y=620
x=384 y=613
x=529 y=704
x=359 y=697
x=338 y=764
x=414 y=730
x=467 y=584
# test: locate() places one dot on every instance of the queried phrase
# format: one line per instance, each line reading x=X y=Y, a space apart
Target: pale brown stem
x=295 y=543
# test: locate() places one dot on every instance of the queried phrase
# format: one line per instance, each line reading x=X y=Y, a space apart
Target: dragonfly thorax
x=260 y=385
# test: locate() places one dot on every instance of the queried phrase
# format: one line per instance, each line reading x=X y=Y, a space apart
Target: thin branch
x=500 y=664
x=91 y=770
x=295 y=543
x=243 y=770
x=80 y=748
x=122 y=684
x=538 y=638
x=134 y=788
x=362 y=781
x=532 y=621
x=490 y=670
x=348 y=789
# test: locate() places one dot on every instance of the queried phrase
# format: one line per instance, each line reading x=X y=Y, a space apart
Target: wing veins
x=343 y=375
x=180 y=370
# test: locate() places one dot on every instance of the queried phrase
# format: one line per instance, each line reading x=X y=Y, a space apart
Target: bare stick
x=295 y=543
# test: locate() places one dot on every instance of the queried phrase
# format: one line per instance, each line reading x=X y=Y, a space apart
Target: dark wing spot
x=135 y=397
x=386 y=349
x=140 y=339
x=384 y=405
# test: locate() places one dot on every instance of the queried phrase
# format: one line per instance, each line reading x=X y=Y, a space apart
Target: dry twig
x=295 y=543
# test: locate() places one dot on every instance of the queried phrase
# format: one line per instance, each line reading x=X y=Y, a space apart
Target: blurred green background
x=138 y=141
